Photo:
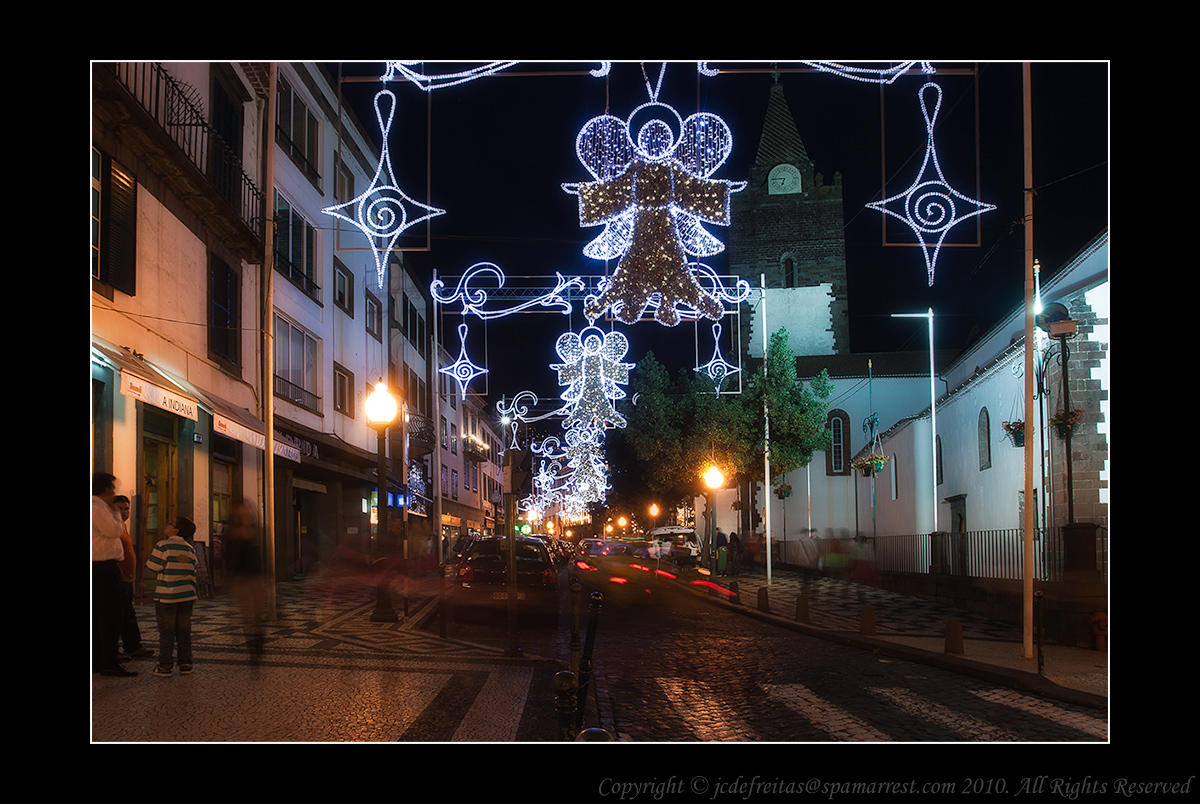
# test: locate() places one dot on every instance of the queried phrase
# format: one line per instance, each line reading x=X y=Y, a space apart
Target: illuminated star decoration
x=382 y=211
x=929 y=206
x=651 y=194
x=717 y=369
x=463 y=370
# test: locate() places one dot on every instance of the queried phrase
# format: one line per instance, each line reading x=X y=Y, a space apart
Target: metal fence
x=163 y=98
x=993 y=554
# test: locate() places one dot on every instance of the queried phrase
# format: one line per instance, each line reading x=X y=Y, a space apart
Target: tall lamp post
x=714 y=479
x=381 y=412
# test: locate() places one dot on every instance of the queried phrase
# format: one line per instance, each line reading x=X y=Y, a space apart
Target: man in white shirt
x=106 y=577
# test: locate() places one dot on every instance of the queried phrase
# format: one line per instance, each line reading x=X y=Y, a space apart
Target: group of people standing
x=181 y=572
x=733 y=551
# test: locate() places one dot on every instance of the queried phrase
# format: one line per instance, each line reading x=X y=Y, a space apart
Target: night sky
x=495 y=151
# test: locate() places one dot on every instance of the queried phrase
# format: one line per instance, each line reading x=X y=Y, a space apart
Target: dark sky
x=496 y=150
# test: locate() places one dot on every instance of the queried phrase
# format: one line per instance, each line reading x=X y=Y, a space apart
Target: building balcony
x=421 y=435
x=142 y=104
x=474 y=449
x=296 y=395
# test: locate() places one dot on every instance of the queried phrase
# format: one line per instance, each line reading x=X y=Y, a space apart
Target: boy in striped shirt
x=174 y=561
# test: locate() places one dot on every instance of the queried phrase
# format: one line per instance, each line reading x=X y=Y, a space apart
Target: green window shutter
x=120 y=213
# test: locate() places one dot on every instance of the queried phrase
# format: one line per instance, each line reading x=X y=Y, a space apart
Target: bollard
x=566 y=687
x=383 y=613
x=763 y=603
x=954 y=637
x=866 y=621
x=802 y=608
x=595 y=601
x=594 y=735
x=576 y=594
x=736 y=597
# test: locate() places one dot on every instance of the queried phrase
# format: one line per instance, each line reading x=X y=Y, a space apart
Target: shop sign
x=151 y=394
x=232 y=429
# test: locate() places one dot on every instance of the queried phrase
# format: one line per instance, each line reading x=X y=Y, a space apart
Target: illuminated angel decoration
x=652 y=193
x=382 y=212
x=930 y=206
x=592 y=372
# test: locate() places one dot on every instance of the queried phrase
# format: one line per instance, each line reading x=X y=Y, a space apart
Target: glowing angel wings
x=606 y=147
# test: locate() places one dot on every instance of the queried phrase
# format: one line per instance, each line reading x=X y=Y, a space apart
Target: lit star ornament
x=383 y=211
x=652 y=193
x=718 y=369
x=930 y=206
x=463 y=370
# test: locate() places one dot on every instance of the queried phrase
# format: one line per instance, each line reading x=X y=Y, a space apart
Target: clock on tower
x=783 y=180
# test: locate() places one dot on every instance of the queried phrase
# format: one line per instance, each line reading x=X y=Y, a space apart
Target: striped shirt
x=175 y=562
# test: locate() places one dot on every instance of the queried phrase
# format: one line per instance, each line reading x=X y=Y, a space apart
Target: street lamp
x=653 y=515
x=714 y=479
x=381 y=411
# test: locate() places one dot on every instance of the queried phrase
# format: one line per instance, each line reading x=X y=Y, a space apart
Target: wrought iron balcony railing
x=162 y=97
x=296 y=394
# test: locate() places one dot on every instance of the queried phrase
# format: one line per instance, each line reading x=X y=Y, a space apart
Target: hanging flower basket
x=783 y=491
x=1016 y=431
x=871 y=464
x=1066 y=421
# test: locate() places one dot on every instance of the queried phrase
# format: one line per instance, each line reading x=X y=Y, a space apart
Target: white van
x=675 y=543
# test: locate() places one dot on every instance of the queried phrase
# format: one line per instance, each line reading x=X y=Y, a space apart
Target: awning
x=141 y=379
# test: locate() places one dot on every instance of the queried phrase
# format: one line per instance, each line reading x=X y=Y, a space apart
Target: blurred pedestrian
x=719 y=541
x=735 y=553
x=174 y=561
x=107 y=553
x=130 y=633
x=204 y=584
x=244 y=571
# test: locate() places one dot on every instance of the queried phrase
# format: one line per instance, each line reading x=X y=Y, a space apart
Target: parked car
x=481 y=578
x=681 y=544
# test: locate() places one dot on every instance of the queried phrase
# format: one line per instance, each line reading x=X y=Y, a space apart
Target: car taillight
x=466 y=574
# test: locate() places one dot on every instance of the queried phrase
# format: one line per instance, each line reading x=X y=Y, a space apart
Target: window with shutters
x=343 y=390
x=224 y=313
x=374 y=316
x=114 y=224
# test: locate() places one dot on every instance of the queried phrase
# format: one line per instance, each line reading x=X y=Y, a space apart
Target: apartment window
x=343 y=390
x=224 y=312
x=343 y=287
x=895 y=479
x=838 y=422
x=454 y=483
x=114 y=223
x=422 y=394
x=298 y=132
x=295 y=247
x=985 y=440
x=374 y=317
x=296 y=365
x=444 y=431
x=445 y=480
x=343 y=181
x=474 y=478
x=453 y=438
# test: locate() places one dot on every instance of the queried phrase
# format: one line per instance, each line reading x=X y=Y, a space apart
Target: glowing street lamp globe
x=654 y=509
x=381 y=406
x=622 y=521
x=713 y=478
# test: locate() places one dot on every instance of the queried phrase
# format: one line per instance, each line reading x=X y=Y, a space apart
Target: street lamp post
x=381 y=411
x=714 y=479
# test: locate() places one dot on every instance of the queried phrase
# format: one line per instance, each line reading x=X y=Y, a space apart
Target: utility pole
x=1027 y=524
x=267 y=316
x=435 y=388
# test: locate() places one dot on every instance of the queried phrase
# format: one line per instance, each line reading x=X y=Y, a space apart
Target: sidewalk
x=912 y=628
x=329 y=674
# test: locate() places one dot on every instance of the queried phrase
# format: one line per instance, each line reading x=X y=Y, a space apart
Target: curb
x=1019 y=679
